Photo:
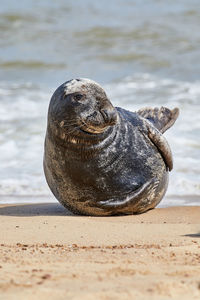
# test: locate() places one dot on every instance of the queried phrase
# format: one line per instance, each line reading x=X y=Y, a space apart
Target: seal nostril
x=113 y=118
x=105 y=115
x=109 y=116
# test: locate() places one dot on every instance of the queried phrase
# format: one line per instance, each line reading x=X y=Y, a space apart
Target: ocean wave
x=31 y=64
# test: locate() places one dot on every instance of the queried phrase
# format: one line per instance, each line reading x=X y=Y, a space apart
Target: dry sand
x=47 y=253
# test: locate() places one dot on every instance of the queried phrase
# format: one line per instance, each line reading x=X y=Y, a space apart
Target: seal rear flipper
x=140 y=200
x=162 y=118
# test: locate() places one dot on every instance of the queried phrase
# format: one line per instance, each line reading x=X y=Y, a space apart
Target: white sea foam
x=23 y=111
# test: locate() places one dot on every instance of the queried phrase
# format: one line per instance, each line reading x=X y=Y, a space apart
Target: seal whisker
x=69 y=125
x=71 y=131
x=70 y=121
x=66 y=123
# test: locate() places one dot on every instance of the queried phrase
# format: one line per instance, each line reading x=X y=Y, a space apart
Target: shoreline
x=49 y=253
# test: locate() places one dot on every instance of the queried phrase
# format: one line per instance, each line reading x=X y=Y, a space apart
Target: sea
x=143 y=53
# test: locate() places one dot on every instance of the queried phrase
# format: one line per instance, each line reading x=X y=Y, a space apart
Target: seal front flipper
x=162 y=118
x=161 y=143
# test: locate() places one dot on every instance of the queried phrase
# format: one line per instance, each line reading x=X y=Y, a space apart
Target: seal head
x=104 y=160
x=79 y=107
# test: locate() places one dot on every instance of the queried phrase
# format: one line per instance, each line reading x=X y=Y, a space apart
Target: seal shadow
x=193 y=235
x=39 y=209
x=44 y=209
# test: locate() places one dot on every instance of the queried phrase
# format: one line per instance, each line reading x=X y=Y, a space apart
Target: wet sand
x=48 y=253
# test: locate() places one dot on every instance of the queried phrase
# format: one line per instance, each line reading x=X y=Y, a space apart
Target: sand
x=48 y=253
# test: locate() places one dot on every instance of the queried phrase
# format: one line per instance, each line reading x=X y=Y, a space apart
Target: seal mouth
x=90 y=129
x=82 y=127
x=93 y=124
x=99 y=125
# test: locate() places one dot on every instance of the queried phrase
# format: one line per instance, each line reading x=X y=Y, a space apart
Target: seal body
x=102 y=160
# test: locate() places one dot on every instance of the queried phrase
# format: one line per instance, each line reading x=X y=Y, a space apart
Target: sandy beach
x=48 y=253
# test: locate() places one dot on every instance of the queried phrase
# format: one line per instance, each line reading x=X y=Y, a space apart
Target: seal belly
x=126 y=182
x=137 y=201
x=135 y=181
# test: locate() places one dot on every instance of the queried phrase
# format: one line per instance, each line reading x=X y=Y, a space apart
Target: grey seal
x=104 y=160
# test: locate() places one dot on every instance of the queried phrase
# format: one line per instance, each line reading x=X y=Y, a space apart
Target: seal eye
x=78 y=97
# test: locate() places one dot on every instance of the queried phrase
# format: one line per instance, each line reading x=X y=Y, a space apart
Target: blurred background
x=143 y=52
